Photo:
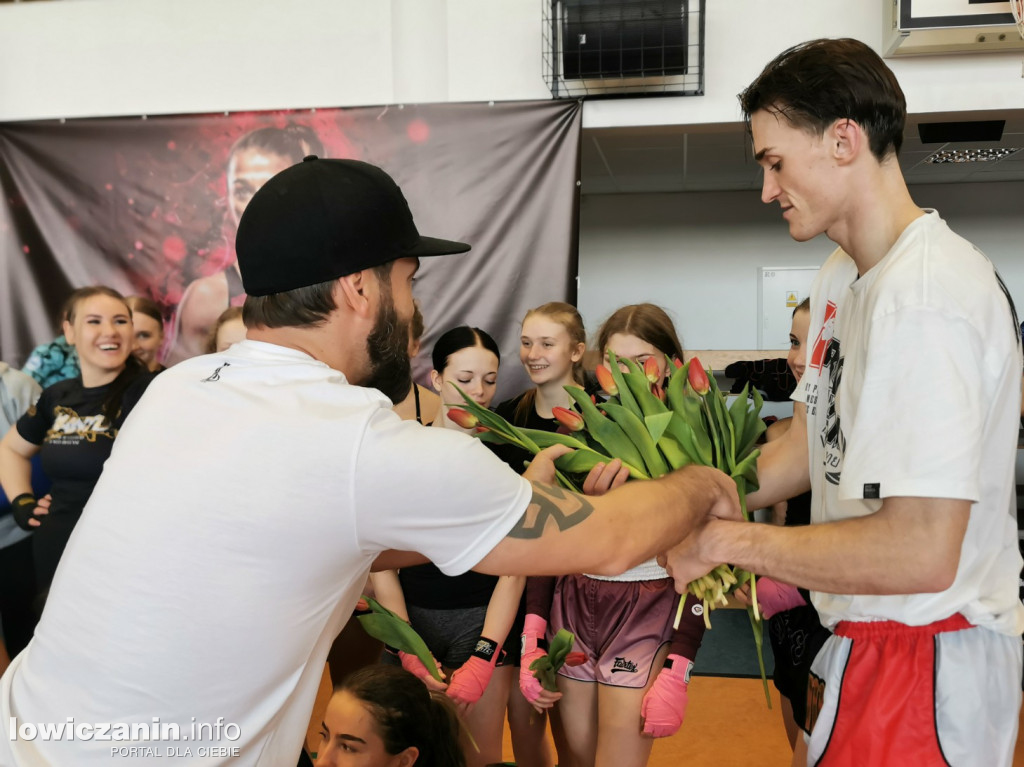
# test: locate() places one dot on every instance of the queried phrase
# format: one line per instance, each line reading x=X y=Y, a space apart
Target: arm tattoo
x=551 y=502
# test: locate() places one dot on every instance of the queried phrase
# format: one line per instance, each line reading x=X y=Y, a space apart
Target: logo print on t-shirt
x=70 y=428
x=215 y=376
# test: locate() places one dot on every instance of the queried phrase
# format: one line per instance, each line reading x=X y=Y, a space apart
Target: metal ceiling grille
x=623 y=47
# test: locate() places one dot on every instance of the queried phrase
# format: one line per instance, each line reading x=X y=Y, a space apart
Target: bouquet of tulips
x=652 y=430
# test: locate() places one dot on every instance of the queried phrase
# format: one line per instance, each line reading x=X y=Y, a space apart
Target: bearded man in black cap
x=196 y=620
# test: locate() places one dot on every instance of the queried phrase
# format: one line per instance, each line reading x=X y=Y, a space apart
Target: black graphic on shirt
x=215 y=376
x=832 y=438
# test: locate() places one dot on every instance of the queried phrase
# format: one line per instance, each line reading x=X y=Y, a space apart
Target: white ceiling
x=717 y=157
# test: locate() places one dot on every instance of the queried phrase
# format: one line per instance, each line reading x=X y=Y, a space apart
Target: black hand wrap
x=486 y=649
x=21 y=509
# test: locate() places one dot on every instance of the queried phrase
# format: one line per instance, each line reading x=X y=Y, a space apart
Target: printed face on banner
x=248 y=170
x=152 y=208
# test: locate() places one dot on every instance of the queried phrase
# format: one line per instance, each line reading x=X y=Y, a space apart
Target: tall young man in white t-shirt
x=912 y=388
x=250 y=492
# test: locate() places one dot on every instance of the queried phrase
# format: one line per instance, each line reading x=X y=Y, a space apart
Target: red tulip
x=606 y=380
x=575 y=659
x=481 y=429
x=362 y=606
x=651 y=370
x=698 y=377
x=658 y=392
x=462 y=418
x=570 y=419
x=677 y=362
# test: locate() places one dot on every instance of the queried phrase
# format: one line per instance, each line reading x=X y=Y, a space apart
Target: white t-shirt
x=224 y=548
x=913 y=387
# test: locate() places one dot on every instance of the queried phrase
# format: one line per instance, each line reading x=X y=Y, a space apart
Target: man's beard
x=388 y=350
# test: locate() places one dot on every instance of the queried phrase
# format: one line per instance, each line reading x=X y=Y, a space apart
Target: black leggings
x=17 y=591
x=48 y=544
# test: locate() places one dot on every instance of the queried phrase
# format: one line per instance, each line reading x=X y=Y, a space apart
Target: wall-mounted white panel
x=780 y=291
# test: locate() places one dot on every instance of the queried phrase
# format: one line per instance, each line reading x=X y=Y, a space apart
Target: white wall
x=87 y=58
x=127 y=57
x=698 y=254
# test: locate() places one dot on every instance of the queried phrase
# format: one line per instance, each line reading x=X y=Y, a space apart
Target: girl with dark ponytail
x=383 y=716
x=465 y=619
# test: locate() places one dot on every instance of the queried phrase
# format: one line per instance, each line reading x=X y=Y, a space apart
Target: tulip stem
x=565 y=482
x=756 y=625
x=719 y=458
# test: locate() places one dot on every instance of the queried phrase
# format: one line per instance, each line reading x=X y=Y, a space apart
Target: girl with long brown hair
x=633 y=686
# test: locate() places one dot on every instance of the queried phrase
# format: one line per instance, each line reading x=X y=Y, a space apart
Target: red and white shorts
x=890 y=695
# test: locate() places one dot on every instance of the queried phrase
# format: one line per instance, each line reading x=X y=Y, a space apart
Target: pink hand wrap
x=415 y=666
x=774 y=597
x=533 y=631
x=664 y=704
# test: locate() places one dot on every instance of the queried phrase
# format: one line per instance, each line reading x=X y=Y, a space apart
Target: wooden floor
x=728 y=725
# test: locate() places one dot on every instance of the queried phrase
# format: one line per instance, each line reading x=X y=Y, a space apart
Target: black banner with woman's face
x=150 y=207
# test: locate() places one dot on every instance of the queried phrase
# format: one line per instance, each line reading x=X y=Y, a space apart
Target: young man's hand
x=690 y=559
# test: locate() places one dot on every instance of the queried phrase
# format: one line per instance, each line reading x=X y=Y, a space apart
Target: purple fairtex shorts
x=619 y=625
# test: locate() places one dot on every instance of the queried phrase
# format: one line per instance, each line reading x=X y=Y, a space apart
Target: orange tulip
x=570 y=419
x=606 y=380
x=462 y=418
x=698 y=377
x=651 y=370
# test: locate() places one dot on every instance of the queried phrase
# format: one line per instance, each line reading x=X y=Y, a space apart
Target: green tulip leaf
x=581 y=461
x=626 y=398
x=607 y=433
x=656 y=424
x=384 y=625
x=636 y=430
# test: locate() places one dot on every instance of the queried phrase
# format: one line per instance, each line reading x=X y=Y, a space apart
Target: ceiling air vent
x=971 y=155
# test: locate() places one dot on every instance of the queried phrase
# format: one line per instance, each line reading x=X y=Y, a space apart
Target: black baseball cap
x=322 y=219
